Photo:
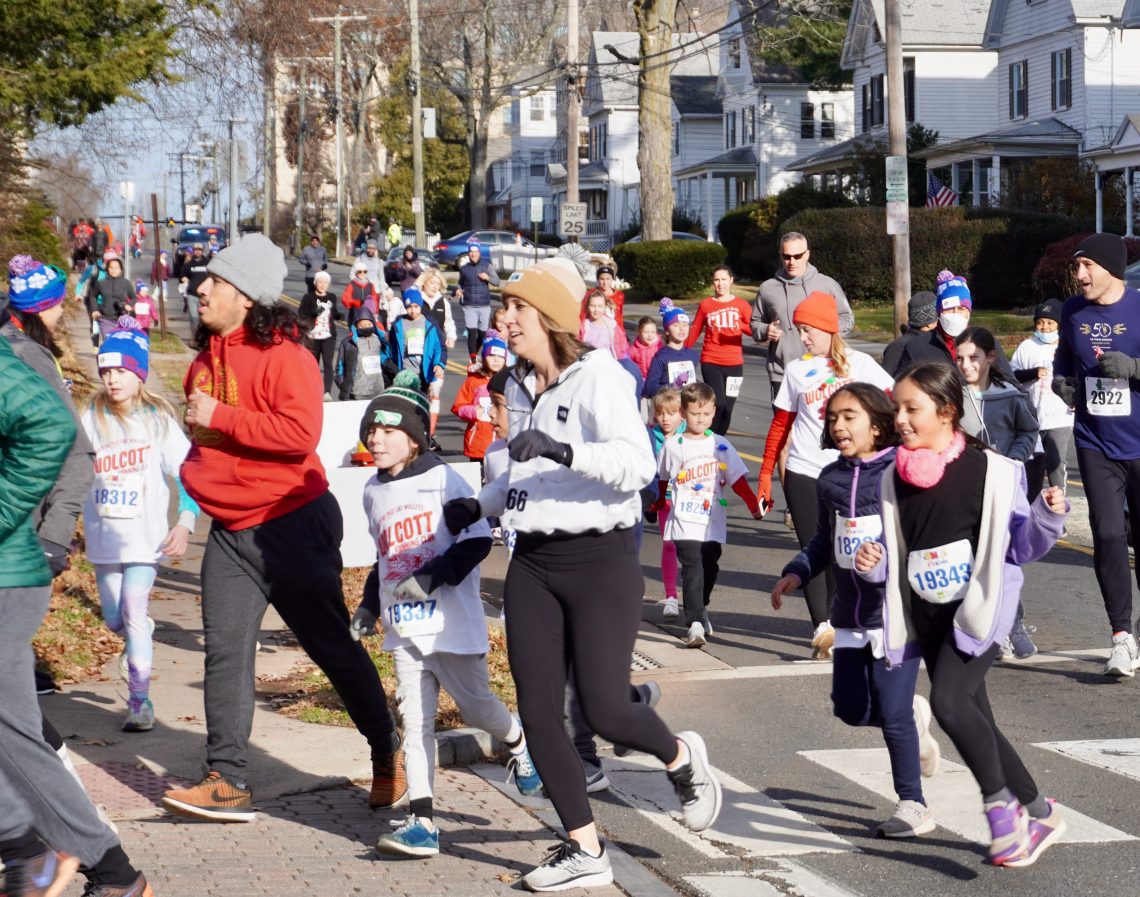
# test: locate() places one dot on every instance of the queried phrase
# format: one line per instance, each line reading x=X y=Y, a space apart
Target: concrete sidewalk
x=315 y=834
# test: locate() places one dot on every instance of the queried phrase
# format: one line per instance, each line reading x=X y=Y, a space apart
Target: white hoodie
x=591 y=406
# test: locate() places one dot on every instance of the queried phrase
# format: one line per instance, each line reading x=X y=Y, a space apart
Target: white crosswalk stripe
x=1121 y=755
x=952 y=794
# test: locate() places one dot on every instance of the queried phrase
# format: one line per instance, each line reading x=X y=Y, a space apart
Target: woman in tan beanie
x=579 y=455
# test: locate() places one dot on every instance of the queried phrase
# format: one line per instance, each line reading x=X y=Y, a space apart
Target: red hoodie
x=259 y=459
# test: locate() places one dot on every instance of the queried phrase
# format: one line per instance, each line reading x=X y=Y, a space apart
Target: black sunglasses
x=794 y=258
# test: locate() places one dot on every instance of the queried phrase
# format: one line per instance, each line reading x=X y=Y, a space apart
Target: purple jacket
x=1021 y=533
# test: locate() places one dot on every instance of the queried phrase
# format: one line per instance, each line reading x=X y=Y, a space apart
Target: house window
x=507 y=113
x=734 y=53
x=1062 y=92
x=537 y=163
x=877 y=105
x=1019 y=89
x=538 y=108
x=908 y=88
x=807 y=121
x=750 y=126
x=583 y=147
x=827 y=120
x=730 y=130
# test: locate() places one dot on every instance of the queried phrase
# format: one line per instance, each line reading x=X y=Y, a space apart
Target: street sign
x=898 y=218
x=416 y=205
x=429 y=122
x=536 y=208
x=572 y=219
x=896 y=179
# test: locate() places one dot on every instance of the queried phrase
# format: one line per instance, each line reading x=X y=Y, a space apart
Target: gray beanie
x=254 y=266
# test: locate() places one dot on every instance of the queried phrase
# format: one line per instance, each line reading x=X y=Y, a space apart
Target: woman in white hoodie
x=579 y=456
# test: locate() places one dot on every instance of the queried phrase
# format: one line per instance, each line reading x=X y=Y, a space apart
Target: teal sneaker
x=412 y=839
x=526 y=777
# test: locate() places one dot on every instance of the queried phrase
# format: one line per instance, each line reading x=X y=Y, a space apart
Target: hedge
x=667 y=267
x=1053 y=274
x=996 y=249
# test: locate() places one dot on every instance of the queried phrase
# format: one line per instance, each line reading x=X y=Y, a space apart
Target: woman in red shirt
x=725 y=319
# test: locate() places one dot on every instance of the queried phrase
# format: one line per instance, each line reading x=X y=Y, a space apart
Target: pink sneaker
x=1043 y=833
x=1008 y=831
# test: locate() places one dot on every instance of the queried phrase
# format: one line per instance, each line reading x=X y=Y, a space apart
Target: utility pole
x=896 y=124
x=417 y=126
x=232 y=228
x=298 y=215
x=269 y=154
x=157 y=250
x=338 y=23
x=573 y=104
x=182 y=186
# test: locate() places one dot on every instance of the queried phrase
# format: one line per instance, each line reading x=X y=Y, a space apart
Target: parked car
x=426 y=258
x=449 y=251
x=1132 y=276
x=677 y=235
x=190 y=234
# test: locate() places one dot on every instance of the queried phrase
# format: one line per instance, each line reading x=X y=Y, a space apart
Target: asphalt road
x=805 y=790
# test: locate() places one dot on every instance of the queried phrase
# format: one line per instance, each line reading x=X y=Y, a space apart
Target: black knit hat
x=402 y=406
x=1049 y=309
x=922 y=309
x=1107 y=250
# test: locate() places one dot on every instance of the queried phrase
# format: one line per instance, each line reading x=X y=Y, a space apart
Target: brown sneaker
x=215 y=798
x=389 y=780
x=138 y=888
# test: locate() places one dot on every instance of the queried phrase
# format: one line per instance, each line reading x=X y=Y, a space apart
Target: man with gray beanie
x=922 y=318
x=1097 y=371
x=255 y=413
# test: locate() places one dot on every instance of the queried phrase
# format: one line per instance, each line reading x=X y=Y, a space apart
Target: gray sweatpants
x=36 y=791
x=464 y=677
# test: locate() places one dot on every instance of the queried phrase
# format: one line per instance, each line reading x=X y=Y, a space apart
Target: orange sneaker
x=215 y=798
x=389 y=780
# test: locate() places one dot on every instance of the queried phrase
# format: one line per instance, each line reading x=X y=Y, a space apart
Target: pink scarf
x=922 y=467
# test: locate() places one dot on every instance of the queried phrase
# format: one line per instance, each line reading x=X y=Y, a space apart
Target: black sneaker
x=45 y=684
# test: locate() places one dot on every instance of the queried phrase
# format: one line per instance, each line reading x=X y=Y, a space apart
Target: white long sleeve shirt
x=591 y=406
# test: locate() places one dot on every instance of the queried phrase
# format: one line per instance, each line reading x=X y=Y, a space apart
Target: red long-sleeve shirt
x=725 y=324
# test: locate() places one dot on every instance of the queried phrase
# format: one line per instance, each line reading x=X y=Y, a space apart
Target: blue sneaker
x=413 y=839
x=525 y=775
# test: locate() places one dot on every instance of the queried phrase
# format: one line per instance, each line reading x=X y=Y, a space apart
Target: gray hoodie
x=1003 y=418
x=777 y=300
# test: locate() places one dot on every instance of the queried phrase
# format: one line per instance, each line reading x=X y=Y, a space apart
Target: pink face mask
x=922 y=467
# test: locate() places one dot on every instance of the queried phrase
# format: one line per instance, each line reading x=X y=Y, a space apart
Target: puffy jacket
x=110 y=296
x=475 y=290
x=354 y=381
x=36 y=433
x=777 y=300
x=433 y=348
x=850 y=488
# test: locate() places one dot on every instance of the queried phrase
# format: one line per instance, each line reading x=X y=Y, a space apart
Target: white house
x=698 y=134
x=771 y=116
x=519 y=156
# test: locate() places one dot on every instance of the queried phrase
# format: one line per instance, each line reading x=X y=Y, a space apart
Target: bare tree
x=67 y=185
x=655 y=26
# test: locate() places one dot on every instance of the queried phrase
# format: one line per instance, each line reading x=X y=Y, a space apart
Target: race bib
x=1106 y=397
x=694 y=505
x=850 y=533
x=142 y=309
x=732 y=386
x=410 y=619
x=484 y=409
x=118 y=496
x=371 y=364
x=941 y=575
x=680 y=373
x=415 y=337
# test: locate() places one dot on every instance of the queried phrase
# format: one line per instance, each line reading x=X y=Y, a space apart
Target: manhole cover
x=121 y=787
x=639 y=663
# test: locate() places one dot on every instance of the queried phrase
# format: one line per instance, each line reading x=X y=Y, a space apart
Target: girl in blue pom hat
x=138 y=443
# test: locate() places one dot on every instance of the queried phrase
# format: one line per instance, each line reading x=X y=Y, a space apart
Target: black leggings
x=800 y=492
x=716 y=376
x=962 y=707
x=1108 y=485
x=324 y=350
x=700 y=565
x=577 y=600
x=474 y=341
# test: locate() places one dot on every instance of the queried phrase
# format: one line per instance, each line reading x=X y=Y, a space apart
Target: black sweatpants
x=576 y=600
x=700 y=566
x=1108 y=484
x=324 y=350
x=716 y=376
x=292 y=562
x=962 y=707
x=800 y=492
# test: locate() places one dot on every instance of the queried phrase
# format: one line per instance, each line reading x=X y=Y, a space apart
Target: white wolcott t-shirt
x=808 y=384
x=700 y=474
x=125 y=517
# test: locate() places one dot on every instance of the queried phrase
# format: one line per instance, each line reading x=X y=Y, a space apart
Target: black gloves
x=1066 y=388
x=536 y=444
x=460 y=513
x=56 y=555
x=1119 y=366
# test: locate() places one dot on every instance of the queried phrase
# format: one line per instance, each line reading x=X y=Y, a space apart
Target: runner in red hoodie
x=725 y=319
x=255 y=415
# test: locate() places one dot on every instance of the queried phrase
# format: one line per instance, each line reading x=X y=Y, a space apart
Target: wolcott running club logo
x=203 y=381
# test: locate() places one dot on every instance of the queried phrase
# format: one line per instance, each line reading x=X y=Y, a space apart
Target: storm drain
x=639 y=663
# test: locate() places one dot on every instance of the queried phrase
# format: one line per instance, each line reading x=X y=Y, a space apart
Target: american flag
x=937 y=193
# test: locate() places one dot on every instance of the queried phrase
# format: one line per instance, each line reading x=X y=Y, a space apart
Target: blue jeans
x=865 y=692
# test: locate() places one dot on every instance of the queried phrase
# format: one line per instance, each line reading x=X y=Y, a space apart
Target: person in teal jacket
x=415 y=340
x=42 y=809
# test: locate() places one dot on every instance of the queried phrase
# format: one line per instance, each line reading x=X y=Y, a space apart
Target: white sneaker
x=929 y=753
x=569 y=866
x=695 y=638
x=670 y=610
x=696 y=786
x=822 y=641
x=597 y=781
x=1125 y=656
x=909 y=819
